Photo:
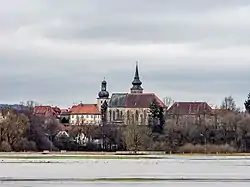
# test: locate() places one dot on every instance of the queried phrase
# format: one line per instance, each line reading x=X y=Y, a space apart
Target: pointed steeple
x=136 y=71
x=136 y=88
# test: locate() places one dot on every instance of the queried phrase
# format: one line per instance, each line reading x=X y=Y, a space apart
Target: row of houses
x=81 y=113
x=90 y=114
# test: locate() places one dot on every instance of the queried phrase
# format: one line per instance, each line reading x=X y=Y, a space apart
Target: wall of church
x=126 y=115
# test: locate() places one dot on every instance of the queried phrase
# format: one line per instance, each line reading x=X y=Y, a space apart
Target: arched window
x=141 y=120
x=145 y=117
x=121 y=115
x=113 y=115
x=136 y=116
x=110 y=115
x=132 y=118
x=117 y=114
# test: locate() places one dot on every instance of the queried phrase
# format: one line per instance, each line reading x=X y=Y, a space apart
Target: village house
x=47 y=111
x=185 y=109
x=87 y=114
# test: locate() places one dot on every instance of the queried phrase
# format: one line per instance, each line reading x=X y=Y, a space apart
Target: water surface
x=219 y=171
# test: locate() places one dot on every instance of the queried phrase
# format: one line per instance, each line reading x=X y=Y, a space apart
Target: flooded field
x=171 y=171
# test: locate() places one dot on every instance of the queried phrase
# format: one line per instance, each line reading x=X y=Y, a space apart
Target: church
x=124 y=107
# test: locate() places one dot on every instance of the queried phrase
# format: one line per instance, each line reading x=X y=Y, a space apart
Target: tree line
x=21 y=130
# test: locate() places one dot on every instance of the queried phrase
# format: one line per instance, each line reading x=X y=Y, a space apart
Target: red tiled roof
x=189 y=108
x=142 y=100
x=46 y=110
x=84 y=109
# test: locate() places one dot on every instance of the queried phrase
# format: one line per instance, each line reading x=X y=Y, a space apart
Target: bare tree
x=229 y=104
x=136 y=137
x=13 y=127
x=168 y=101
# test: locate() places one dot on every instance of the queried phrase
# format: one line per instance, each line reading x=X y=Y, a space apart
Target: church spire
x=136 y=88
x=136 y=71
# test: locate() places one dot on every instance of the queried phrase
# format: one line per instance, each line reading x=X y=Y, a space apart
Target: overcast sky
x=58 y=51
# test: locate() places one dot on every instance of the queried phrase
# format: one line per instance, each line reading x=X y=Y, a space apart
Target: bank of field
x=76 y=157
x=103 y=155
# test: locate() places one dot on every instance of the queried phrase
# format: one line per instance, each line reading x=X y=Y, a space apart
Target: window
x=136 y=115
x=110 y=114
x=141 y=119
x=145 y=116
x=121 y=115
x=117 y=114
x=133 y=118
x=113 y=115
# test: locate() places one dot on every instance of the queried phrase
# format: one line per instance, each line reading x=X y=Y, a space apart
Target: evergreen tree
x=247 y=104
x=154 y=109
x=156 y=117
x=161 y=116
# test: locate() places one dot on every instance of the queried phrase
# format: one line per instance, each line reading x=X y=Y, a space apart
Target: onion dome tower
x=103 y=95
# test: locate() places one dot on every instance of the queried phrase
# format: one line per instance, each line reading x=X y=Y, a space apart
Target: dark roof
x=133 y=100
x=103 y=93
x=142 y=100
x=189 y=108
x=118 y=100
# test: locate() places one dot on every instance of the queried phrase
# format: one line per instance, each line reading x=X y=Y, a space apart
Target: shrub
x=25 y=145
x=5 y=146
x=209 y=148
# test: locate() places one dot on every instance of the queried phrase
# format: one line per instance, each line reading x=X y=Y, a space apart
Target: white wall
x=85 y=119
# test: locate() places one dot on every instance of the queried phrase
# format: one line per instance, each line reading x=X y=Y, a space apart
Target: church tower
x=136 y=88
x=103 y=95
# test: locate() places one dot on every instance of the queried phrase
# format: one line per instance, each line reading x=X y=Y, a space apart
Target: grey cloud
x=27 y=75
x=150 y=32
x=192 y=80
x=56 y=90
x=151 y=23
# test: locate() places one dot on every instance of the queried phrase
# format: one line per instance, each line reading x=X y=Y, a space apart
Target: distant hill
x=14 y=106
